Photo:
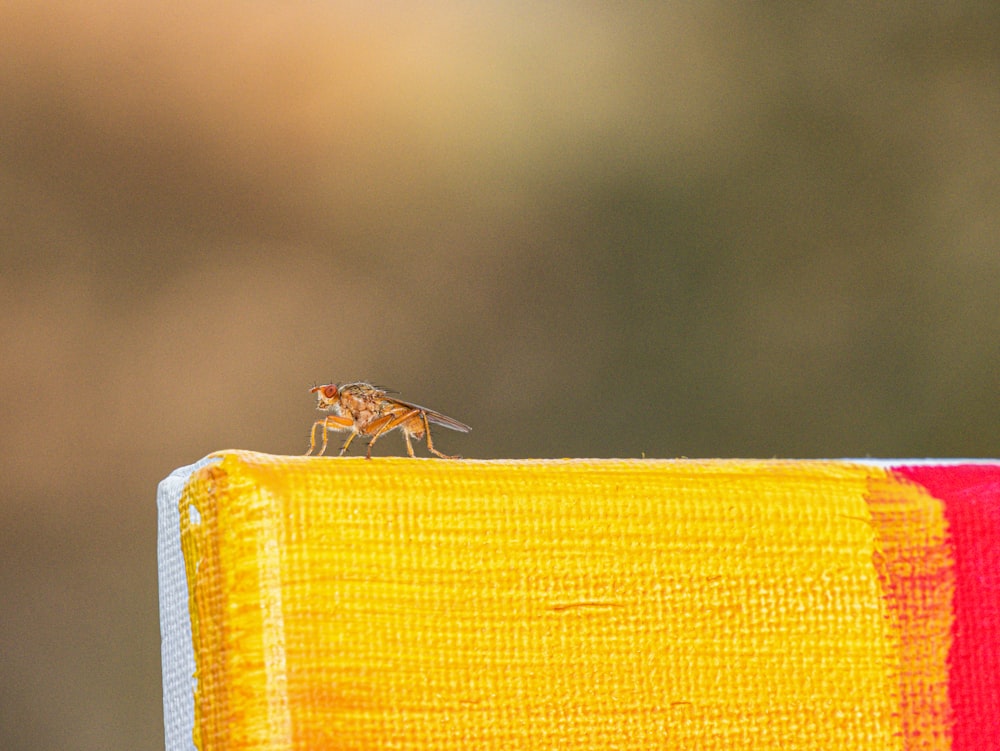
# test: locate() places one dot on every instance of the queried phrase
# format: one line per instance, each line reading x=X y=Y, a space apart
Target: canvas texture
x=329 y=603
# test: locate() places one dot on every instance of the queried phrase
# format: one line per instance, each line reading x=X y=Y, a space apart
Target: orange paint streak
x=916 y=569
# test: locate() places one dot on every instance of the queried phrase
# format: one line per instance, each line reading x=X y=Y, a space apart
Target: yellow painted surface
x=578 y=604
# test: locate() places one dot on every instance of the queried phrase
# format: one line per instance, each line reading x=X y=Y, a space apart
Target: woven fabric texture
x=588 y=604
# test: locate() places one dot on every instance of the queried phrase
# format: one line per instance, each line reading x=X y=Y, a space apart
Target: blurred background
x=662 y=229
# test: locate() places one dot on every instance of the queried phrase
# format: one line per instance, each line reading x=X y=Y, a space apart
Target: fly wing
x=448 y=422
x=437 y=418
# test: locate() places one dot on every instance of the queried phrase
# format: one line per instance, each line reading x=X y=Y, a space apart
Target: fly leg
x=430 y=443
x=347 y=443
x=391 y=423
x=312 y=438
x=330 y=422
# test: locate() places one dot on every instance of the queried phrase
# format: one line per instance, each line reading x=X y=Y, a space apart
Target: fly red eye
x=330 y=392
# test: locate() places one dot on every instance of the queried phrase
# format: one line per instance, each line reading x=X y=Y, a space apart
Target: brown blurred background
x=677 y=229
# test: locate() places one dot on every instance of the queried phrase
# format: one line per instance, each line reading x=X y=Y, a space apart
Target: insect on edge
x=363 y=409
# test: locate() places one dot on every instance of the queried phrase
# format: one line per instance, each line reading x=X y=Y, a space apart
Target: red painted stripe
x=971 y=494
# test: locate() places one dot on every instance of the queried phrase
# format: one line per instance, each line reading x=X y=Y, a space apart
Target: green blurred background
x=671 y=229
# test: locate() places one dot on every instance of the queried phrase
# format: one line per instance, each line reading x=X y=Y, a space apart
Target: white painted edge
x=176 y=646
